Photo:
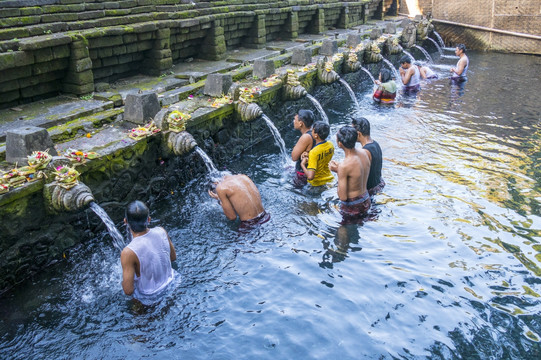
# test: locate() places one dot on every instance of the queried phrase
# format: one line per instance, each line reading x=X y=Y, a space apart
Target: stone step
x=84 y=125
x=48 y=113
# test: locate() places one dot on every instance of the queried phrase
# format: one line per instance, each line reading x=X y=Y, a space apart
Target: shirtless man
x=303 y=122
x=410 y=75
x=239 y=196
x=146 y=260
x=461 y=70
x=352 y=176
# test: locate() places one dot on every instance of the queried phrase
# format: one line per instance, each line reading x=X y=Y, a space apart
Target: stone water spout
x=408 y=35
x=352 y=63
x=181 y=143
x=325 y=71
x=61 y=199
x=248 y=111
x=372 y=53
x=424 y=27
x=392 y=46
x=293 y=89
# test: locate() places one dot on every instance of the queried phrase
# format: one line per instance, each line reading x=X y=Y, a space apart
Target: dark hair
x=405 y=59
x=307 y=117
x=461 y=47
x=322 y=129
x=361 y=125
x=137 y=216
x=347 y=136
x=385 y=75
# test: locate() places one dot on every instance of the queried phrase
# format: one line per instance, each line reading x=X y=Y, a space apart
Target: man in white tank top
x=146 y=260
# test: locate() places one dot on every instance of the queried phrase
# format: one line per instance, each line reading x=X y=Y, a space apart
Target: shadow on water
x=450 y=268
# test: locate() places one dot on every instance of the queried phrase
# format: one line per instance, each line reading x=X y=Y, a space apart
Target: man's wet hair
x=461 y=47
x=405 y=59
x=307 y=117
x=212 y=185
x=347 y=135
x=322 y=129
x=361 y=125
x=137 y=216
x=385 y=75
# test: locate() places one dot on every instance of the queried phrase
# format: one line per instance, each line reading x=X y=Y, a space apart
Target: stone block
x=78 y=89
x=301 y=56
x=390 y=28
x=23 y=141
x=353 y=40
x=16 y=58
x=141 y=108
x=80 y=65
x=217 y=84
x=405 y=23
x=42 y=55
x=329 y=47
x=79 y=78
x=263 y=68
x=61 y=52
x=375 y=34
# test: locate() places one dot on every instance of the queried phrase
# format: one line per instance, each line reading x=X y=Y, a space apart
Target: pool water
x=448 y=267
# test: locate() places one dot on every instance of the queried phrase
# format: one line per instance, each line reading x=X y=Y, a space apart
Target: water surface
x=449 y=267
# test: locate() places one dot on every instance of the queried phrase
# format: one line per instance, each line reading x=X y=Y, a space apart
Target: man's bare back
x=353 y=174
x=238 y=195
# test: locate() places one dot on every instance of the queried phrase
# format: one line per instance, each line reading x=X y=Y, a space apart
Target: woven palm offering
x=177 y=121
x=67 y=177
x=39 y=159
x=141 y=132
x=80 y=156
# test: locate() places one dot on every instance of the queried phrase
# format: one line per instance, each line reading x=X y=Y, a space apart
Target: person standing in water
x=410 y=75
x=375 y=181
x=426 y=72
x=303 y=122
x=460 y=72
x=315 y=164
x=386 y=91
x=146 y=260
x=352 y=177
x=238 y=196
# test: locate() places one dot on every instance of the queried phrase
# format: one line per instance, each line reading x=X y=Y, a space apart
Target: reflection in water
x=450 y=269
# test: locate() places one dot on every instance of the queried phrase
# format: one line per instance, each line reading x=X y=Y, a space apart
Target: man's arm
x=406 y=75
x=227 y=207
x=310 y=173
x=343 y=174
x=461 y=65
x=304 y=141
x=127 y=260
x=172 y=251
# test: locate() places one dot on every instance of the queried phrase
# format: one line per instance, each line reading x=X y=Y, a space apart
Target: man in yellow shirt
x=315 y=164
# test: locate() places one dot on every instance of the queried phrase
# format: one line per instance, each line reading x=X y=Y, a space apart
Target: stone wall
x=479 y=17
x=53 y=46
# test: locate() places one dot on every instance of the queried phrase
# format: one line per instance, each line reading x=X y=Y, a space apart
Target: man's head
x=405 y=61
x=137 y=216
x=322 y=129
x=361 y=125
x=306 y=117
x=460 y=49
x=347 y=135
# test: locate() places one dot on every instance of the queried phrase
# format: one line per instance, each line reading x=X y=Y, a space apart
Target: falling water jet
x=277 y=138
x=409 y=54
x=391 y=66
x=318 y=107
x=350 y=91
x=369 y=74
x=440 y=40
x=425 y=53
x=437 y=46
x=208 y=162
x=118 y=239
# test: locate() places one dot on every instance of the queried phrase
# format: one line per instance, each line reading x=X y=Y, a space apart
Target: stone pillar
x=79 y=78
x=258 y=33
x=141 y=108
x=379 y=13
x=23 y=141
x=393 y=10
x=292 y=24
x=159 y=58
x=213 y=47
x=318 y=22
x=217 y=84
x=343 y=21
x=263 y=68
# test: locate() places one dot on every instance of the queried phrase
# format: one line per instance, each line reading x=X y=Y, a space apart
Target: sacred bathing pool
x=103 y=103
